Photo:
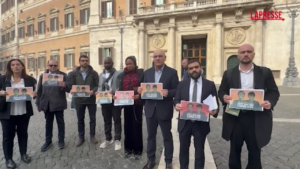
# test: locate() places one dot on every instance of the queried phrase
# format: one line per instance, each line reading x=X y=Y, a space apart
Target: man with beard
x=241 y=96
x=108 y=81
x=85 y=75
x=247 y=125
x=160 y=112
x=184 y=63
x=196 y=89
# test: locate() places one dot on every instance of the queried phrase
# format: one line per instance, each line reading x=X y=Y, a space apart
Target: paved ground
x=88 y=156
x=283 y=152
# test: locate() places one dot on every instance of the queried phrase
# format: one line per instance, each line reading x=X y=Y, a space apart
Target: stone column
x=141 y=57
x=95 y=12
x=258 y=49
x=218 y=49
x=171 y=49
x=253 y=32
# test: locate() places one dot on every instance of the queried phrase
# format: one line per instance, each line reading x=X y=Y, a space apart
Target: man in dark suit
x=160 y=112
x=247 y=126
x=195 y=89
x=184 y=63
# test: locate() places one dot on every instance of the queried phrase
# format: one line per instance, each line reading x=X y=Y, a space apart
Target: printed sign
x=52 y=79
x=243 y=99
x=152 y=91
x=103 y=98
x=194 y=111
x=124 y=98
x=80 y=90
x=16 y=94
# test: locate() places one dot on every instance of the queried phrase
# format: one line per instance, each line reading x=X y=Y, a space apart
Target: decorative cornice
x=54 y=50
x=53 y=11
x=29 y=18
x=82 y=2
x=69 y=48
x=156 y=23
x=194 y=19
x=84 y=46
x=20 y=21
x=107 y=41
x=40 y=15
x=68 y=6
x=238 y=15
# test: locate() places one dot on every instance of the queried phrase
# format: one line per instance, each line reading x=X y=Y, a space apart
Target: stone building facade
x=209 y=30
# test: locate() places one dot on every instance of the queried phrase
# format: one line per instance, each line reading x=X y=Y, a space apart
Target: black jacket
x=29 y=82
x=139 y=72
x=54 y=96
x=92 y=79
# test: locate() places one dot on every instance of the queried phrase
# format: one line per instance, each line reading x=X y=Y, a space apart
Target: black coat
x=263 y=120
x=183 y=94
x=54 y=96
x=163 y=108
x=139 y=72
x=29 y=82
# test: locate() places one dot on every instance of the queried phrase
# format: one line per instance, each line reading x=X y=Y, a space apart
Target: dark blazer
x=263 y=120
x=183 y=94
x=185 y=75
x=29 y=82
x=164 y=108
x=55 y=96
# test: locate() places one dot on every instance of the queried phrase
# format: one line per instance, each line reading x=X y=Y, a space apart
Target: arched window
x=232 y=61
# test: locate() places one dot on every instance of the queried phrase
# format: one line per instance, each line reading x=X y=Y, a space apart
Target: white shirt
x=106 y=75
x=17 y=108
x=247 y=78
x=199 y=89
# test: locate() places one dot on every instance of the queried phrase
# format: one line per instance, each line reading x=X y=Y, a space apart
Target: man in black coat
x=253 y=127
x=52 y=101
x=160 y=112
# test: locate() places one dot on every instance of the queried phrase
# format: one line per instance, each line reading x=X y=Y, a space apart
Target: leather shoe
x=79 y=142
x=10 y=164
x=149 y=165
x=26 y=158
x=169 y=166
x=94 y=140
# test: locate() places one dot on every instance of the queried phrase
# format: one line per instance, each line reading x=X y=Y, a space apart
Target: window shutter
x=153 y=2
x=51 y=24
x=58 y=60
x=113 y=8
x=65 y=60
x=39 y=63
x=45 y=62
x=81 y=16
x=57 y=23
x=111 y=52
x=135 y=6
x=73 y=60
x=103 y=9
x=100 y=56
x=88 y=15
x=72 y=20
x=66 y=20
x=165 y=2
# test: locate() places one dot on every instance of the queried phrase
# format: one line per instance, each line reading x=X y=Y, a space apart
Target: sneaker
x=61 y=145
x=118 y=145
x=46 y=146
x=106 y=143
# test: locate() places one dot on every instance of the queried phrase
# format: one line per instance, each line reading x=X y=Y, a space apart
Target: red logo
x=266 y=15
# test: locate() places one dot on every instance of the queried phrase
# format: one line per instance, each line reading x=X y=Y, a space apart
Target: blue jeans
x=72 y=103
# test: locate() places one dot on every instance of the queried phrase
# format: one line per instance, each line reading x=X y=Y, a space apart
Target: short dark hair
x=154 y=86
x=148 y=85
x=83 y=88
x=50 y=76
x=241 y=92
x=185 y=58
x=105 y=94
x=101 y=94
x=194 y=61
x=16 y=90
x=24 y=90
x=191 y=104
x=83 y=56
x=251 y=94
x=199 y=106
x=55 y=76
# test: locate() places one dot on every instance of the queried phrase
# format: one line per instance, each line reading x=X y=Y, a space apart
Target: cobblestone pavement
x=283 y=152
x=88 y=156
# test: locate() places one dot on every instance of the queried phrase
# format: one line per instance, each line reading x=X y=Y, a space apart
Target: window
x=132 y=7
x=69 y=60
x=42 y=62
x=7 y=37
x=21 y=32
x=41 y=27
x=108 y=9
x=3 y=39
x=30 y=30
x=69 y=20
x=158 y=2
x=104 y=53
x=20 y=1
x=31 y=63
x=54 y=24
x=84 y=16
x=12 y=36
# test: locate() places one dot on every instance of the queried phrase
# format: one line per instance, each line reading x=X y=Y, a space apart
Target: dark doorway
x=232 y=61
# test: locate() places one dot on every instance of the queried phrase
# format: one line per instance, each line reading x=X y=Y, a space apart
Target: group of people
x=193 y=88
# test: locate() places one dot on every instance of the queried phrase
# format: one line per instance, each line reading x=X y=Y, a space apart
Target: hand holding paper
x=211 y=102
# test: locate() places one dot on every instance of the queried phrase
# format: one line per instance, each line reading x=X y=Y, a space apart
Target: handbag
x=3 y=104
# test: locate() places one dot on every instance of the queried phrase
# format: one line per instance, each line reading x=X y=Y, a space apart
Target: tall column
x=16 y=39
x=95 y=12
x=218 y=49
x=253 y=39
x=171 y=50
x=259 y=41
x=141 y=44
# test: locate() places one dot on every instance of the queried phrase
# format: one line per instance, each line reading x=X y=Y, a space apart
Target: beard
x=246 y=61
x=195 y=75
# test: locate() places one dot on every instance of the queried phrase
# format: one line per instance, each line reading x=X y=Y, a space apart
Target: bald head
x=108 y=63
x=246 y=54
x=159 y=58
x=159 y=52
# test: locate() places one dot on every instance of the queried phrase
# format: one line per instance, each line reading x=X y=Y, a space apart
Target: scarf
x=105 y=85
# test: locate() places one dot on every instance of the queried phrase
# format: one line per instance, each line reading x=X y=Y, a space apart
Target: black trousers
x=192 y=129
x=10 y=126
x=80 y=109
x=244 y=130
x=109 y=112
x=165 y=126
x=49 y=116
x=133 y=124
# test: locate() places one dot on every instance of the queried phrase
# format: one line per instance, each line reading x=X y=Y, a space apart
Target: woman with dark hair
x=14 y=116
x=130 y=79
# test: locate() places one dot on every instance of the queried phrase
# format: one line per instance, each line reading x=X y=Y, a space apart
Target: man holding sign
x=195 y=89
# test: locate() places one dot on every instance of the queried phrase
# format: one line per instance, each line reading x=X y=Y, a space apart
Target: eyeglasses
x=158 y=56
x=84 y=60
x=196 y=67
x=52 y=65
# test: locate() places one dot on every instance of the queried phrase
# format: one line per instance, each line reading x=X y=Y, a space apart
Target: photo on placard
x=52 y=79
x=16 y=94
x=152 y=91
x=245 y=99
x=80 y=90
x=103 y=98
x=194 y=111
x=124 y=98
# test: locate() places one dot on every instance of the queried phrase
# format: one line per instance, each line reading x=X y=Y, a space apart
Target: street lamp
x=291 y=74
x=121 y=22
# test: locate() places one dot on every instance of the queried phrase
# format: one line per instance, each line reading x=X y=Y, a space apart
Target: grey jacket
x=54 y=96
x=114 y=81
